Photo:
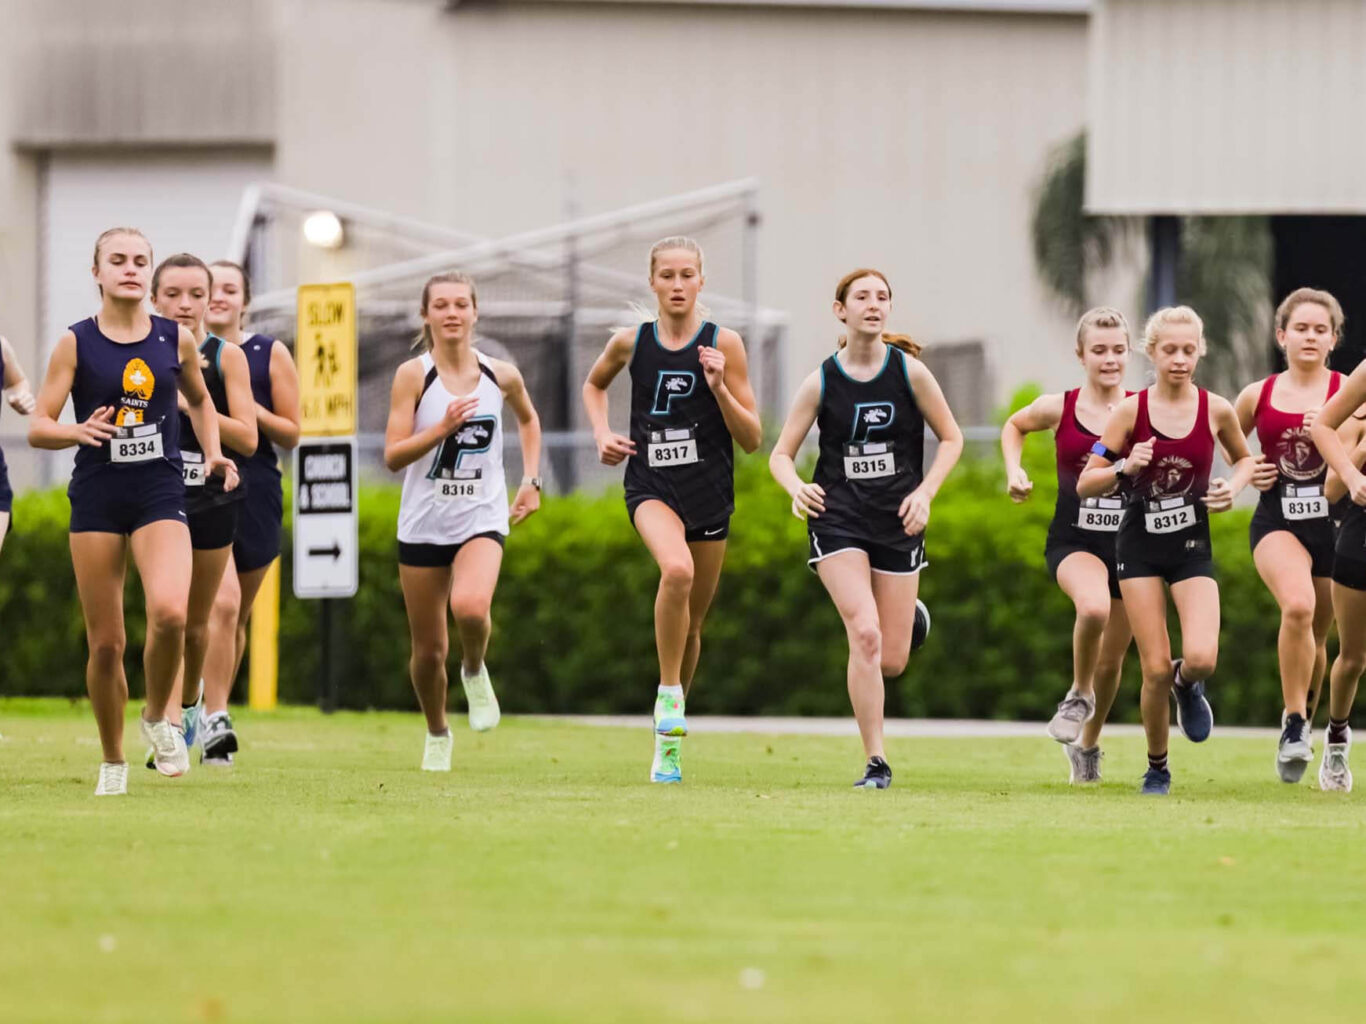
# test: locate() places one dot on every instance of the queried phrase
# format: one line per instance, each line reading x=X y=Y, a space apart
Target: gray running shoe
x=1073 y=713
x=1334 y=772
x=1084 y=764
x=1293 y=753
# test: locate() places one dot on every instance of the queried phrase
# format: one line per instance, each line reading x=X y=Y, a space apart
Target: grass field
x=326 y=879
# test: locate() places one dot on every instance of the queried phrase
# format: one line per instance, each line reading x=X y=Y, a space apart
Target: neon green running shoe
x=666 y=766
x=669 y=720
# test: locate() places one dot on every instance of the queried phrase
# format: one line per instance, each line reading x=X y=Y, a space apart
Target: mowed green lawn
x=325 y=878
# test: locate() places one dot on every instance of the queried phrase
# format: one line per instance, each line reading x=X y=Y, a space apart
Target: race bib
x=1299 y=502
x=1169 y=515
x=677 y=447
x=193 y=468
x=463 y=485
x=869 y=461
x=1101 y=515
x=139 y=443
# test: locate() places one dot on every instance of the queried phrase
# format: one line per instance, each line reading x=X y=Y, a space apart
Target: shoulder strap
x=430 y=378
x=1202 y=412
x=1143 y=429
x=708 y=336
x=1334 y=382
x=1069 y=408
x=1264 y=397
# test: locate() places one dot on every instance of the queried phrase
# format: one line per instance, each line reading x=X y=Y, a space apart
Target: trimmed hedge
x=573 y=614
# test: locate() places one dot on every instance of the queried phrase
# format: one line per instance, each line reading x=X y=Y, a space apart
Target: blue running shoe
x=1194 y=716
x=921 y=627
x=191 y=714
x=1156 y=782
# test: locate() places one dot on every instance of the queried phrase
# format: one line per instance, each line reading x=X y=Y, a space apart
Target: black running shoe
x=219 y=740
x=921 y=629
x=878 y=775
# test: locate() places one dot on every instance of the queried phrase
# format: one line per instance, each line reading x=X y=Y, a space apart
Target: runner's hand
x=808 y=501
x=713 y=362
x=21 y=401
x=223 y=466
x=1219 y=497
x=527 y=501
x=458 y=412
x=1139 y=456
x=613 y=448
x=1018 y=485
x=99 y=428
x=1356 y=487
x=914 y=512
x=1264 y=474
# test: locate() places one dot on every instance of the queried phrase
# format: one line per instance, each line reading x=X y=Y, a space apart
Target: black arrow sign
x=334 y=551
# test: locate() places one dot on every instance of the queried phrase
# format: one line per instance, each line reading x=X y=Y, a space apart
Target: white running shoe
x=168 y=747
x=484 y=713
x=1334 y=772
x=436 y=753
x=1073 y=713
x=113 y=779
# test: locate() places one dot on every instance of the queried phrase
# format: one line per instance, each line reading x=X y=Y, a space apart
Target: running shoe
x=921 y=629
x=1194 y=716
x=667 y=766
x=113 y=779
x=877 y=775
x=436 y=753
x=169 y=755
x=1334 y=773
x=483 y=704
x=669 y=718
x=190 y=720
x=1156 y=782
x=1084 y=764
x=1293 y=753
x=218 y=741
x=1074 y=712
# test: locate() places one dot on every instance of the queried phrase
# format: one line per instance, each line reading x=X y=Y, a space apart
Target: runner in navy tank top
x=1168 y=432
x=181 y=287
x=869 y=503
x=122 y=370
x=1080 y=549
x=1339 y=433
x=690 y=401
x=256 y=543
x=1292 y=534
x=15 y=385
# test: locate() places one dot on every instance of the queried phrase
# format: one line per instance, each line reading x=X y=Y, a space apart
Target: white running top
x=458 y=490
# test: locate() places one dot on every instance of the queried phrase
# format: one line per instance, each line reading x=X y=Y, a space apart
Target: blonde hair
x=110 y=233
x=424 y=337
x=1319 y=298
x=1103 y=317
x=641 y=314
x=1170 y=316
x=901 y=341
x=675 y=242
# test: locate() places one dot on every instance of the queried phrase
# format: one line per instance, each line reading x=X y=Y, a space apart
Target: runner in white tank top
x=445 y=430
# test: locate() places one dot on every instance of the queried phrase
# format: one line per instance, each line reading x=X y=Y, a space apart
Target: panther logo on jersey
x=473 y=438
x=139 y=383
x=671 y=384
x=1299 y=458
x=1171 y=477
x=871 y=417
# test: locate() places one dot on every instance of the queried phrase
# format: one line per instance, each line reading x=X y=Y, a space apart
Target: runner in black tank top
x=1168 y=432
x=869 y=503
x=690 y=399
x=1343 y=419
x=122 y=370
x=256 y=540
x=181 y=287
x=15 y=385
x=1292 y=529
x=1080 y=547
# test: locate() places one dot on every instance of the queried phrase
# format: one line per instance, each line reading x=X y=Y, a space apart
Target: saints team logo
x=871 y=418
x=1172 y=476
x=1299 y=458
x=473 y=438
x=139 y=383
x=671 y=385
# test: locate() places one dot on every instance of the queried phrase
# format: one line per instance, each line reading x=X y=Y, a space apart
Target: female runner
x=869 y=503
x=121 y=369
x=690 y=400
x=446 y=428
x=1080 y=550
x=1168 y=432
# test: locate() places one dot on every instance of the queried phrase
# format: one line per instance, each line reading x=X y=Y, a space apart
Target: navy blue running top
x=139 y=379
x=258 y=349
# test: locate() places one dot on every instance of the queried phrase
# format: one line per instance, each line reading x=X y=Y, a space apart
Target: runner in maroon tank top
x=1292 y=532
x=1168 y=432
x=1080 y=549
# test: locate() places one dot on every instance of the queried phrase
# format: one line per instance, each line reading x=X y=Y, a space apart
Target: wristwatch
x=534 y=481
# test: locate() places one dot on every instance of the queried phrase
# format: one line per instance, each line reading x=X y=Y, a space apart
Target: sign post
x=326 y=555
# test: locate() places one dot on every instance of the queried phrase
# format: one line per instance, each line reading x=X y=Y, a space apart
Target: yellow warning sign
x=326 y=353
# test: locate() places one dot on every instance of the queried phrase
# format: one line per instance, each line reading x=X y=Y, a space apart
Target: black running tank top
x=684 y=452
x=872 y=449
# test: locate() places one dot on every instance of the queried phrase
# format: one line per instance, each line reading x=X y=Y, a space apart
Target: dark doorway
x=1328 y=253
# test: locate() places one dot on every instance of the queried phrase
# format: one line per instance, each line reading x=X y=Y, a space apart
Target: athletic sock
x=1092 y=750
x=1179 y=680
x=672 y=691
x=1158 y=761
x=1337 y=730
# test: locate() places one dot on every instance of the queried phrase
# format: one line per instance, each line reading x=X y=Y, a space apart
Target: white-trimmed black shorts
x=903 y=559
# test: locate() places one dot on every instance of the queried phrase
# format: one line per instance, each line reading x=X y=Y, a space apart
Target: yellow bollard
x=263 y=638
